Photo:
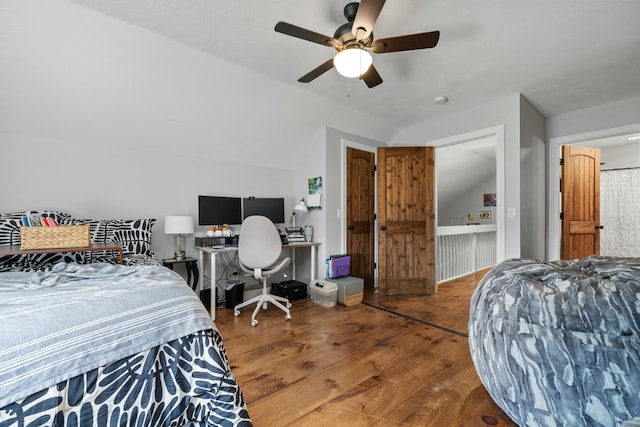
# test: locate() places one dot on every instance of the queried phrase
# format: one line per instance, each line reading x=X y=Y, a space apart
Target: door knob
x=382 y=227
x=350 y=227
x=599 y=227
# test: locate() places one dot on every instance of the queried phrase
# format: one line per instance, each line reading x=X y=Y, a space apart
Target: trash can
x=205 y=297
x=233 y=290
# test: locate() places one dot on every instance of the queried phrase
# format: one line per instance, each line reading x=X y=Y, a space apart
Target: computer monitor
x=272 y=208
x=218 y=210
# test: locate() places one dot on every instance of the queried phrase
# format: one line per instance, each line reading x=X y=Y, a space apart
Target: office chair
x=259 y=248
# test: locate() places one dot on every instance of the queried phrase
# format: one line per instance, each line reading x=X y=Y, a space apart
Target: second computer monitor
x=272 y=208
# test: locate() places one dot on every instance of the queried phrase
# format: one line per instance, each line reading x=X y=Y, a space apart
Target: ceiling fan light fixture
x=352 y=62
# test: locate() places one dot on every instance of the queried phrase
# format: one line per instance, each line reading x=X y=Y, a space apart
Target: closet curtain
x=620 y=212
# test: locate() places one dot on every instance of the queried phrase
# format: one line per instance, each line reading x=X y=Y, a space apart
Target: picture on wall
x=489 y=199
x=315 y=185
x=485 y=214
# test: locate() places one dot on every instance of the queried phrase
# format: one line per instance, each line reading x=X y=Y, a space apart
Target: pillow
x=10 y=224
x=134 y=235
x=10 y=231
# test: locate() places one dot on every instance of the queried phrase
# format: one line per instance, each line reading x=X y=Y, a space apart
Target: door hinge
x=375 y=217
x=561 y=162
x=375 y=265
x=561 y=215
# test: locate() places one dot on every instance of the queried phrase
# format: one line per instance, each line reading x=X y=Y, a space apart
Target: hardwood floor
x=362 y=365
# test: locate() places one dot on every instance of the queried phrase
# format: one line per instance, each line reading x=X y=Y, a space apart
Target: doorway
x=603 y=139
x=466 y=207
x=496 y=132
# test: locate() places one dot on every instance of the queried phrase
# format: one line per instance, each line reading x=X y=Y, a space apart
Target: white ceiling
x=561 y=55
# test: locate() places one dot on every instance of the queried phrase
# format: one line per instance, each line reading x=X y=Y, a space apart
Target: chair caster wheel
x=287 y=317
x=254 y=322
x=236 y=313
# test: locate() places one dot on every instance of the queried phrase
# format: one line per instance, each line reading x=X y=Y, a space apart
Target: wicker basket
x=65 y=236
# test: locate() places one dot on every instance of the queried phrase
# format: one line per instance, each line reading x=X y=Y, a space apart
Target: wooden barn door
x=406 y=220
x=580 y=202
x=361 y=213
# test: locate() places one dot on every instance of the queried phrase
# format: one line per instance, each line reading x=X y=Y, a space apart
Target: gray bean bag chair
x=558 y=344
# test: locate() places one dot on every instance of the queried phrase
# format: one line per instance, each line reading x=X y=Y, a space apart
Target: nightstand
x=191 y=265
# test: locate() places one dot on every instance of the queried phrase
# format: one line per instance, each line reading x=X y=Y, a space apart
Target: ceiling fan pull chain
x=348 y=88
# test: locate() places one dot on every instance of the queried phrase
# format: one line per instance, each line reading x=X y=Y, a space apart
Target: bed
x=558 y=343
x=111 y=345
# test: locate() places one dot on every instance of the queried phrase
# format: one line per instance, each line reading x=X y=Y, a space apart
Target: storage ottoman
x=350 y=289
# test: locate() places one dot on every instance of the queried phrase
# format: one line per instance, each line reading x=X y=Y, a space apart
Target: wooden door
x=580 y=202
x=360 y=217
x=406 y=220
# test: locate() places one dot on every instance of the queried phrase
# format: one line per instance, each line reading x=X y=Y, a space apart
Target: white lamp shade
x=178 y=225
x=301 y=207
x=352 y=62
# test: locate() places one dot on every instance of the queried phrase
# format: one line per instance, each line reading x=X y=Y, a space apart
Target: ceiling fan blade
x=410 y=42
x=366 y=17
x=371 y=77
x=303 y=33
x=317 y=72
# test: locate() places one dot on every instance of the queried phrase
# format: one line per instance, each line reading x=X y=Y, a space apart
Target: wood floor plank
x=360 y=365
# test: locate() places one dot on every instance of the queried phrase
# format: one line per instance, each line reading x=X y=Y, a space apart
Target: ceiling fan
x=354 y=40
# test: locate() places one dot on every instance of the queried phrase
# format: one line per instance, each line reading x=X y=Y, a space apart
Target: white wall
x=620 y=156
x=606 y=116
x=312 y=165
x=335 y=240
x=469 y=203
x=532 y=181
x=102 y=119
x=504 y=111
x=99 y=182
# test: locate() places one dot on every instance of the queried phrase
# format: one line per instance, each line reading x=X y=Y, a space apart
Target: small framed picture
x=489 y=199
x=485 y=214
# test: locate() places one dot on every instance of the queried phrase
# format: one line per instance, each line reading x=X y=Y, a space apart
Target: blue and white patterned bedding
x=104 y=344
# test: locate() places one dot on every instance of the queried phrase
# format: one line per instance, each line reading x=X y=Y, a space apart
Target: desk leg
x=314 y=262
x=212 y=259
x=201 y=274
x=293 y=263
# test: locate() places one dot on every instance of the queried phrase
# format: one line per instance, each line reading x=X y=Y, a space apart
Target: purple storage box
x=338 y=266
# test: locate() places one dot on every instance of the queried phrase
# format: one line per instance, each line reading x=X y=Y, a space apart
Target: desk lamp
x=300 y=207
x=178 y=225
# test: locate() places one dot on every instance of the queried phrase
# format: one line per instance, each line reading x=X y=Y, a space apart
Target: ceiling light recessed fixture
x=441 y=100
x=352 y=62
x=634 y=138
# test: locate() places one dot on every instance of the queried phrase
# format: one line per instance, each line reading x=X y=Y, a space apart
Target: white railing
x=464 y=249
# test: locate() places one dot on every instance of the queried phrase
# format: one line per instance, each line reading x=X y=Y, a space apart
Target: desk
x=93 y=247
x=213 y=252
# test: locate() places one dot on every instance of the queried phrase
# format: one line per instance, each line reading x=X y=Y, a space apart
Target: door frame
x=495 y=131
x=554 y=230
x=498 y=133
x=344 y=143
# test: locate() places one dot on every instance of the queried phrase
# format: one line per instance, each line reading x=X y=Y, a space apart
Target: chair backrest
x=259 y=245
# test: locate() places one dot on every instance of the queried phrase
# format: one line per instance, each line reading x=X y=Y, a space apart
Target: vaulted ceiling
x=561 y=55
